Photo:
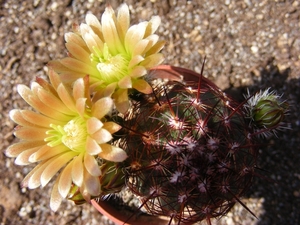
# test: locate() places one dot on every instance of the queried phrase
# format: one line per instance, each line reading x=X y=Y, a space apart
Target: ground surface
x=248 y=44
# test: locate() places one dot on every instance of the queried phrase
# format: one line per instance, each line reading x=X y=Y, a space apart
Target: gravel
x=249 y=44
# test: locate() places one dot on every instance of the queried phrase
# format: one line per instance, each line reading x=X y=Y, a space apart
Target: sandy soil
x=250 y=44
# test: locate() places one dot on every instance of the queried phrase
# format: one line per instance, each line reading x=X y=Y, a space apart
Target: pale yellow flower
x=68 y=133
x=114 y=54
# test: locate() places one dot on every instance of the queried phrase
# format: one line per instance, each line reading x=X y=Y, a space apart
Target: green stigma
x=73 y=135
x=111 y=68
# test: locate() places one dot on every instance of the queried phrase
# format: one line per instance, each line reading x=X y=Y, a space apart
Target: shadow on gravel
x=279 y=161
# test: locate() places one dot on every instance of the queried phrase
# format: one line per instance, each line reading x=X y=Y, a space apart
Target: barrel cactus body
x=191 y=152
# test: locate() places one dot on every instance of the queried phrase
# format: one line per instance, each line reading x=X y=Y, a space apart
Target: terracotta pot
x=126 y=217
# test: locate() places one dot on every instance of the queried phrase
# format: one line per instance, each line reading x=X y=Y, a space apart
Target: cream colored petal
x=101 y=136
x=49 y=111
x=54 y=78
x=15 y=149
x=55 y=198
x=92 y=20
x=142 y=86
x=16 y=116
x=92 y=147
x=141 y=47
x=91 y=39
x=107 y=91
x=152 y=60
x=55 y=103
x=38 y=119
x=33 y=179
x=55 y=166
x=58 y=67
x=33 y=101
x=152 y=25
x=23 y=157
x=69 y=77
x=155 y=48
x=102 y=107
x=138 y=71
x=92 y=184
x=47 y=152
x=78 y=66
x=80 y=106
x=112 y=153
x=78 y=52
x=135 y=60
x=86 y=33
x=71 y=37
x=77 y=170
x=121 y=100
x=93 y=124
x=91 y=165
x=66 y=98
x=31 y=133
x=79 y=89
x=123 y=21
x=125 y=82
x=111 y=127
x=110 y=33
x=134 y=34
x=65 y=180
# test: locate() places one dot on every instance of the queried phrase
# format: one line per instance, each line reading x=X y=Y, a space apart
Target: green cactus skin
x=191 y=155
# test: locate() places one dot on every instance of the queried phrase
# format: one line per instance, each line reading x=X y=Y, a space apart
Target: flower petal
x=56 y=198
x=111 y=127
x=152 y=60
x=138 y=71
x=135 y=60
x=78 y=52
x=47 y=152
x=78 y=66
x=93 y=124
x=16 y=116
x=15 y=149
x=102 y=136
x=66 y=97
x=77 y=170
x=112 y=153
x=23 y=157
x=142 y=86
x=91 y=165
x=110 y=33
x=38 y=119
x=92 y=147
x=102 y=107
x=33 y=178
x=56 y=164
x=123 y=21
x=134 y=34
x=92 y=184
x=31 y=133
x=125 y=82
x=65 y=180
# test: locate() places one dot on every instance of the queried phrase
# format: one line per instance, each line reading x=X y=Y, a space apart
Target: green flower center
x=73 y=135
x=111 y=68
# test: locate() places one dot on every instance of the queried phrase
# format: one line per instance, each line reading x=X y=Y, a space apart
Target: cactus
x=192 y=150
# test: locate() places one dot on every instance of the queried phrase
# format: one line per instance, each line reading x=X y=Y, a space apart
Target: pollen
x=75 y=134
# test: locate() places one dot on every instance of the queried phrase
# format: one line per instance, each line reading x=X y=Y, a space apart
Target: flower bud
x=112 y=179
x=269 y=112
x=266 y=110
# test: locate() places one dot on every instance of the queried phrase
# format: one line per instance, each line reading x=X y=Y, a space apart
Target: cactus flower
x=114 y=54
x=68 y=133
